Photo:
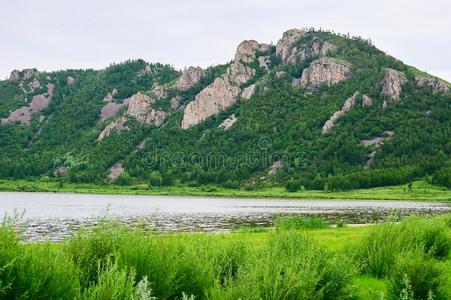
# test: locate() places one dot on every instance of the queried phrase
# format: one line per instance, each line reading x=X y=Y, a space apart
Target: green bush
x=416 y=275
x=287 y=223
x=293 y=185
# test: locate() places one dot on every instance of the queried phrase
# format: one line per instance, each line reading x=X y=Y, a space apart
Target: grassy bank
x=420 y=191
x=297 y=260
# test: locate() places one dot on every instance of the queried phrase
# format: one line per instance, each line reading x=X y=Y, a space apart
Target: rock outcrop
x=437 y=85
x=248 y=92
x=366 y=101
x=378 y=141
x=112 y=108
x=349 y=103
x=275 y=167
x=227 y=123
x=391 y=84
x=141 y=108
x=147 y=70
x=247 y=51
x=37 y=104
x=290 y=51
x=115 y=171
x=286 y=43
x=25 y=74
x=190 y=77
x=224 y=91
x=325 y=71
x=175 y=102
x=110 y=96
x=70 y=80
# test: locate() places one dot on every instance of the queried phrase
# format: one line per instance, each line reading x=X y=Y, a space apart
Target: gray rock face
x=264 y=61
x=275 y=167
x=286 y=43
x=175 y=102
x=140 y=108
x=248 y=92
x=112 y=108
x=366 y=101
x=70 y=80
x=147 y=70
x=37 y=104
x=110 y=96
x=189 y=78
x=437 y=85
x=115 y=171
x=224 y=91
x=291 y=53
x=247 y=50
x=25 y=74
x=228 y=122
x=325 y=71
x=378 y=141
x=391 y=84
x=349 y=103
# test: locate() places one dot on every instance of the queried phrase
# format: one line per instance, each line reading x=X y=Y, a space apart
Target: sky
x=60 y=34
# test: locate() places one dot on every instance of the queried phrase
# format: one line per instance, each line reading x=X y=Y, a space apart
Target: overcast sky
x=60 y=34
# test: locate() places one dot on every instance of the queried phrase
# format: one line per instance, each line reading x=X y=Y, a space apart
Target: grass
x=420 y=191
x=383 y=261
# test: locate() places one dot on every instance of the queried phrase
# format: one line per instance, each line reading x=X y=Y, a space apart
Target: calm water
x=55 y=216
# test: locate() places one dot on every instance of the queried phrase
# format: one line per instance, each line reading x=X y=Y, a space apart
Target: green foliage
x=292 y=185
x=289 y=223
x=288 y=119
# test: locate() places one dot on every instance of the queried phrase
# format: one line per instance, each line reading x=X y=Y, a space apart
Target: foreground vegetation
x=299 y=259
x=418 y=190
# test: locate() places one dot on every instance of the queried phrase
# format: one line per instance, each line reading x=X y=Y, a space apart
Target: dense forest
x=277 y=137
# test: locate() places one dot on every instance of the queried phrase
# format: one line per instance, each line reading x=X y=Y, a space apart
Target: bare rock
x=34 y=84
x=248 y=92
x=275 y=167
x=349 y=103
x=264 y=61
x=190 y=77
x=391 y=84
x=286 y=43
x=25 y=74
x=175 y=102
x=325 y=71
x=280 y=74
x=437 y=85
x=295 y=81
x=112 y=108
x=14 y=76
x=218 y=96
x=147 y=70
x=110 y=96
x=115 y=171
x=370 y=160
x=378 y=141
x=37 y=104
x=117 y=126
x=140 y=108
x=366 y=101
x=70 y=80
x=317 y=47
x=228 y=122
x=160 y=91
x=247 y=51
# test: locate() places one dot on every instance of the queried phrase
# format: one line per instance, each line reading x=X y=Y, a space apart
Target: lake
x=54 y=216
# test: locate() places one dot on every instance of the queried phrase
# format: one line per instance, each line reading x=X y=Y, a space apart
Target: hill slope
x=318 y=109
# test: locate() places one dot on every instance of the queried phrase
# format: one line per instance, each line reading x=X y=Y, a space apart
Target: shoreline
x=421 y=191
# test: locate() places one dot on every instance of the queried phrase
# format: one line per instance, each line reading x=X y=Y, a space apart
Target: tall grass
x=115 y=262
x=411 y=250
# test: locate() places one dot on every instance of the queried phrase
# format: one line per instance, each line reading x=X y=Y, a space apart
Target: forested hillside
x=317 y=110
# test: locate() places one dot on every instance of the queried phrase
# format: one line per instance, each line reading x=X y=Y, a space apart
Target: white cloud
x=59 y=34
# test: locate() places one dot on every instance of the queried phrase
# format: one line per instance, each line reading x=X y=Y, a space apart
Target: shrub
x=287 y=223
x=416 y=275
x=293 y=186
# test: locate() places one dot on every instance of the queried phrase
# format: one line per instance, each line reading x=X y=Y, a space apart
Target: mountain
x=317 y=109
